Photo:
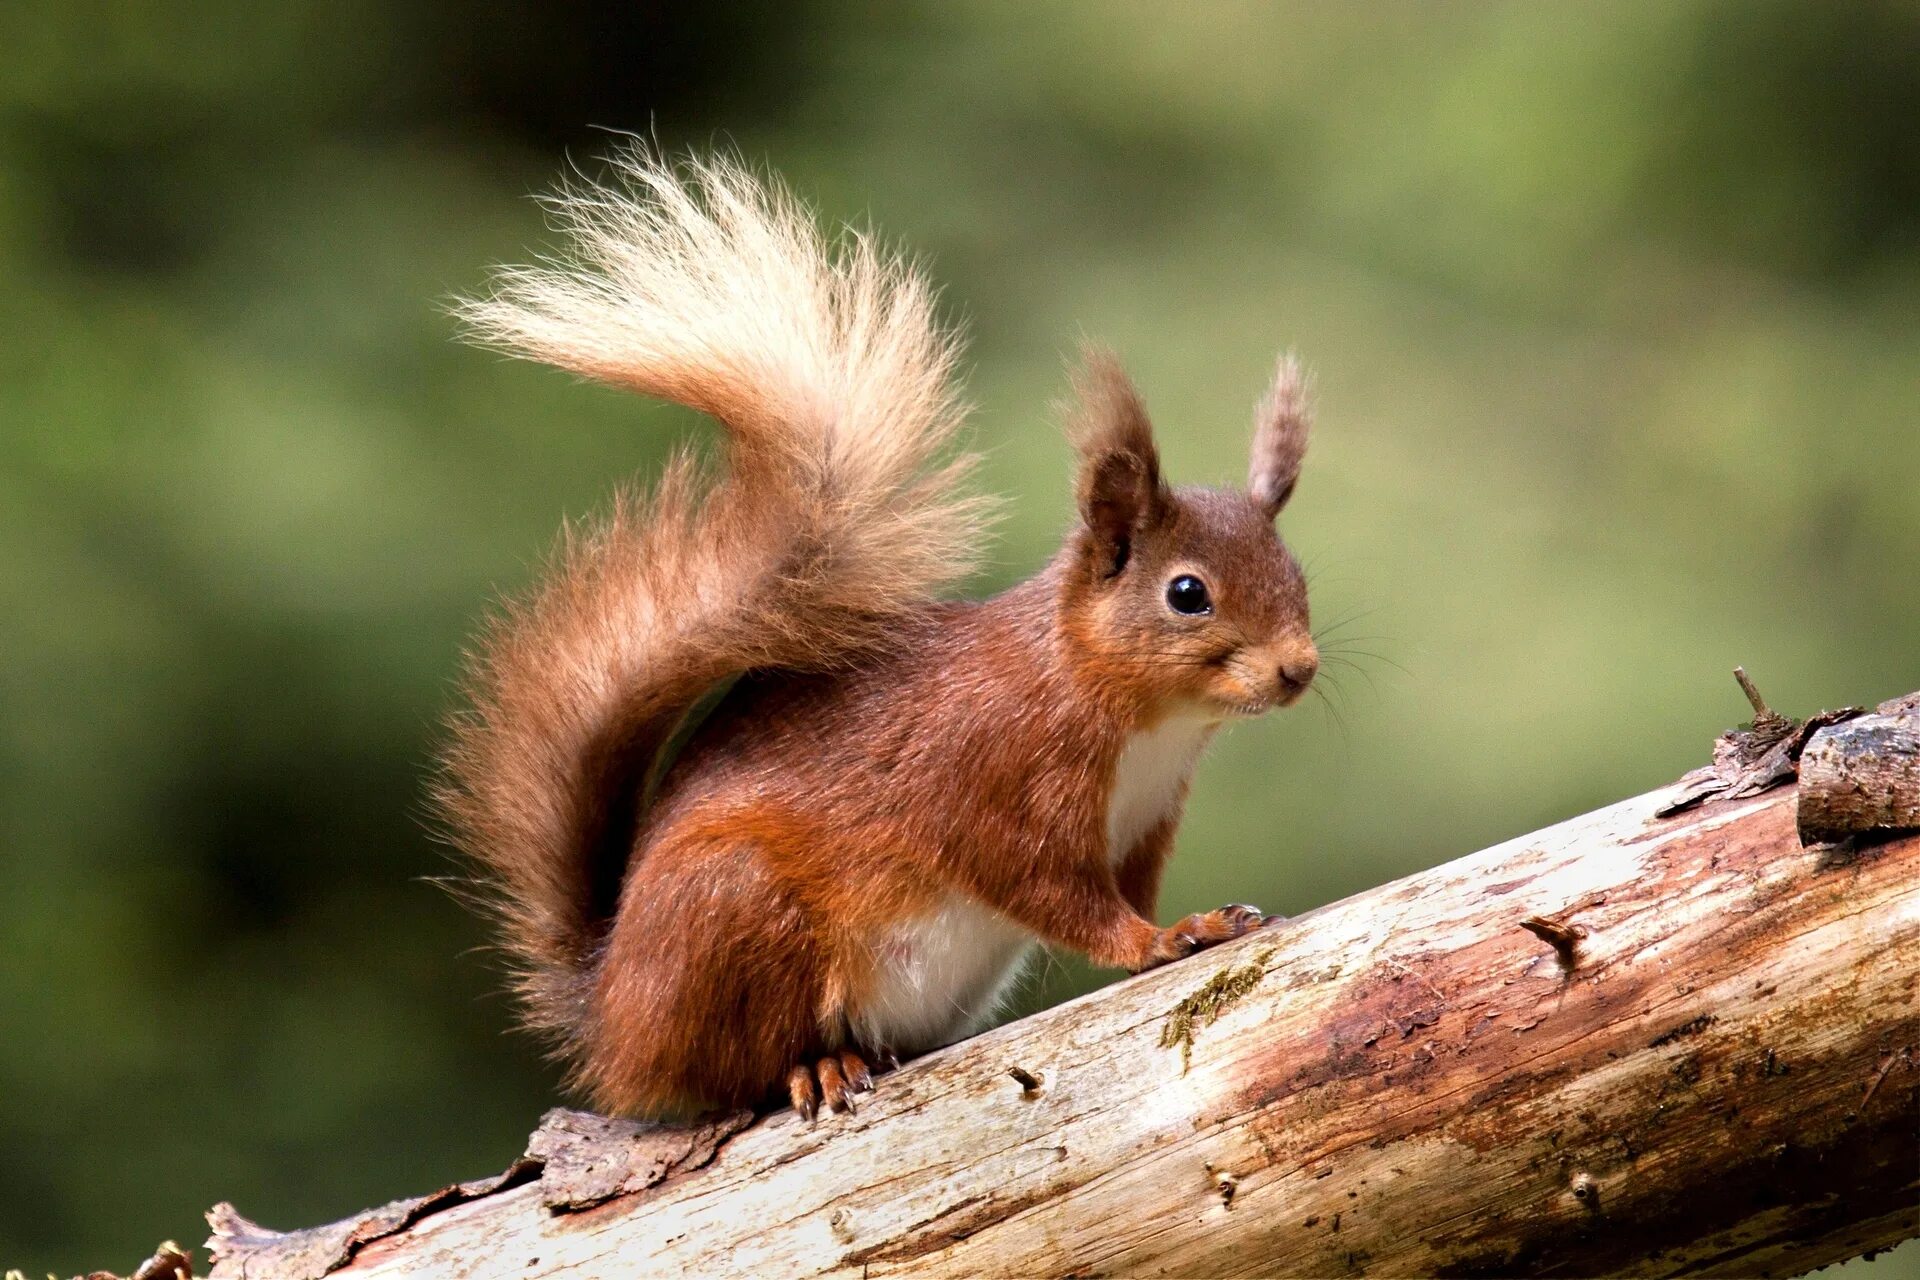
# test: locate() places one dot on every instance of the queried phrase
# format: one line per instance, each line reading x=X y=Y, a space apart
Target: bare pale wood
x=1621 y=1045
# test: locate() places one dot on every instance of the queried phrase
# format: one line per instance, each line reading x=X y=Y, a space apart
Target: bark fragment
x=587 y=1159
x=1862 y=776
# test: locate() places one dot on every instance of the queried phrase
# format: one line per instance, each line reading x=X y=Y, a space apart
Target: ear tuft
x=1120 y=490
x=1280 y=427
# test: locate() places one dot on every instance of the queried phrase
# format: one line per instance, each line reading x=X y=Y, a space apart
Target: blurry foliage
x=1612 y=306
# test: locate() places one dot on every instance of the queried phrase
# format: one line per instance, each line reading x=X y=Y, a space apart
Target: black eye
x=1187 y=594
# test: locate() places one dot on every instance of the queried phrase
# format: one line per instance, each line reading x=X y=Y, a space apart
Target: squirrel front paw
x=1201 y=930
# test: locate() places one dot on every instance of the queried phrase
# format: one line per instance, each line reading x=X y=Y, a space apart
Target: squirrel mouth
x=1284 y=697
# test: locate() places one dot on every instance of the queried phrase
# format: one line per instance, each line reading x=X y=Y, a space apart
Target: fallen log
x=1626 y=1044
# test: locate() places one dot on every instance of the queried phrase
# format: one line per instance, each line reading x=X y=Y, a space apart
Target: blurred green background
x=1614 y=313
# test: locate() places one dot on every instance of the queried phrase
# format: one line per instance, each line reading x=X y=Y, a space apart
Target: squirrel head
x=1185 y=598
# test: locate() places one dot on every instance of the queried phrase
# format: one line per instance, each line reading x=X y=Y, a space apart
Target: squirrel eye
x=1187 y=594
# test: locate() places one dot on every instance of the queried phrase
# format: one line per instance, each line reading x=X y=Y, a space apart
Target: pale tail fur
x=836 y=512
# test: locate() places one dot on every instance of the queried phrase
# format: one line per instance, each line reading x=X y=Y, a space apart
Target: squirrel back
x=833 y=513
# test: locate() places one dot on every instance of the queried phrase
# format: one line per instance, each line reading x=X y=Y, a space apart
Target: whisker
x=1344 y=620
x=1336 y=691
x=1349 y=664
x=1332 y=713
x=1368 y=653
x=1353 y=640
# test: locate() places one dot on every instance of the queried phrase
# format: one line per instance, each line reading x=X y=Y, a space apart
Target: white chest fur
x=1153 y=767
x=940 y=977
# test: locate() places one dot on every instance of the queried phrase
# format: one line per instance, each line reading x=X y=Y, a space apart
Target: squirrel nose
x=1297 y=670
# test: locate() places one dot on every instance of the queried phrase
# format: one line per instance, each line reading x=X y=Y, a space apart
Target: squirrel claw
x=833 y=1084
x=854 y=1067
x=1240 y=918
x=801 y=1089
x=832 y=1080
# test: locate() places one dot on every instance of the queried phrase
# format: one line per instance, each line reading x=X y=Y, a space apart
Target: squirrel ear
x=1280 y=425
x=1120 y=490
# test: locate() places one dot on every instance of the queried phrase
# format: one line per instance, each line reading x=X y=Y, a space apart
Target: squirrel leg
x=1087 y=911
x=1138 y=875
x=714 y=983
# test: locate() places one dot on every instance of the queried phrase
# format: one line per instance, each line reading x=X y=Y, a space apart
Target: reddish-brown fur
x=709 y=929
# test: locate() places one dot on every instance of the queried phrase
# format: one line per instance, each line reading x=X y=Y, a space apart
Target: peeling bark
x=585 y=1159
x=242 y=1248
x=1624 y=1045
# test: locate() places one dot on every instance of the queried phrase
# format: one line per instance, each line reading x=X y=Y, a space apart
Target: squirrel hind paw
x=832 y=1080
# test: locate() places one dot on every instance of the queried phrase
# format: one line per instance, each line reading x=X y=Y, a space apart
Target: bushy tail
x=831 y=516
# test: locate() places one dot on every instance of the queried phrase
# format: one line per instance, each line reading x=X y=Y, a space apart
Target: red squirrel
x=847 y=857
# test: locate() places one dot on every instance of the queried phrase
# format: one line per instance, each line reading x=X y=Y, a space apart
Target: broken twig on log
x=1753 y=757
